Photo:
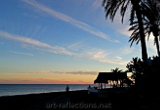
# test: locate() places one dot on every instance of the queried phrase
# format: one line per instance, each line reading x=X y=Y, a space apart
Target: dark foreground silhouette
x=111 y=100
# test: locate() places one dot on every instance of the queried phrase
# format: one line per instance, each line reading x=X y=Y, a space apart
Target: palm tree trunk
x=157 y=45
x=143 y=42
x=139 y=17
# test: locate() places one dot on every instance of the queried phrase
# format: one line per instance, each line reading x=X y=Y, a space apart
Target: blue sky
x=54 y=41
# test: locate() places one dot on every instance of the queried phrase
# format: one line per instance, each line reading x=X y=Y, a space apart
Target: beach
x=75 y=100
x=56 y=100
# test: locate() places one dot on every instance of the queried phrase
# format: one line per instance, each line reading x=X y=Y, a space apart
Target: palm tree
x=116 y=71
x=112 y=6
x=136 y=66
x=151 y=22
x=151 y=10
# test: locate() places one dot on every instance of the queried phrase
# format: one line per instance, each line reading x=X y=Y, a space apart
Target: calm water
x=19 y=89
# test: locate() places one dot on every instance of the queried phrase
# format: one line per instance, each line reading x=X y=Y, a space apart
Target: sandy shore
x=55 y=100
x=74 y=100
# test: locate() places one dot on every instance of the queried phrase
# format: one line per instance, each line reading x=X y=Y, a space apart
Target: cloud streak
x=36 y=44
x=99 y=55
x=70 y=20
x=80 y=73
x=37 y=81
x=42 y=81
x=97 y=4
x=2 y=43
x=21 y=53
x=56 y=72
x=104 y=56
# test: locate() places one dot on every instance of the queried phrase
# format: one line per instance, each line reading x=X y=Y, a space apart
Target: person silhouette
x=67 y=88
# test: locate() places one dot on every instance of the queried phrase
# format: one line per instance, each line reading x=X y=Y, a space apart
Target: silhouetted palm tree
x=151 y=22
x=136 y=66
x=112 y=6
x=116 y=71
x=151 y=9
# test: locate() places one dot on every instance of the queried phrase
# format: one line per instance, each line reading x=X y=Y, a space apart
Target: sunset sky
x=61 y=41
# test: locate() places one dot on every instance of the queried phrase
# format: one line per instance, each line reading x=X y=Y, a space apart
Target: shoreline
x=38 y=93
x=24 y=89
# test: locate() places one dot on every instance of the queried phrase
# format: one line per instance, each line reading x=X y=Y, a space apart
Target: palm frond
x=111 y=7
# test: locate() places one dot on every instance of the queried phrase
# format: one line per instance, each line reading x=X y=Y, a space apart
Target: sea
x=23 y=89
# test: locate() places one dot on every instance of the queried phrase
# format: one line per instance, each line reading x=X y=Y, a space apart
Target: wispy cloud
x=105 y=56
x=36 y=44
x=42 y=81
x=2 y=43
x=36 y=81
x=21 y=53
x=80 y=72
x=97 y=4
x=66 y=18
x=46 y=72
x=99 y=55
x=124 y=30
x=78 y=45
x=151 y=46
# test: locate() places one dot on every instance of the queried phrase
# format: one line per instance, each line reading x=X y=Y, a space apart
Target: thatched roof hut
x=114 y=78
x=104 y=77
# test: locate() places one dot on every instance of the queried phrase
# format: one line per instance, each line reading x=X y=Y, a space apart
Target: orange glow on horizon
x=45 y=77
x=43 y=81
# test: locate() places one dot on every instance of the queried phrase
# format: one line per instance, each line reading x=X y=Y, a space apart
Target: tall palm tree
x=151 y=9
x=112 y=6
x=151 y=21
